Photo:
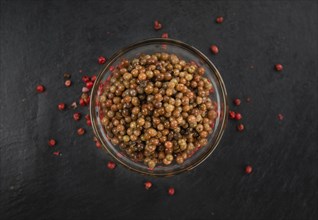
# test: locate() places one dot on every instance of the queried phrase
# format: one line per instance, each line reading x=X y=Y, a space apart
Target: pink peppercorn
x=82 y=102
x=165 y=35
x=77 y=116
x=214 y=49
x=98 y=144
x=101 y=60
x=40 y=88
x=61 y=106
x=238 y=116
x=52 y=142
x=56 y=153
x=80 y=131
x=157 y=25
x=68 y=83
x=219 y=20
x=171 y=191
x=85 y=79
x=148 y=185
x=240 y=127
x=280 y=116
x=248 y=169
x=232 y=114
x=279 y=67
x=111 y=165
x=89 y=84
x=89 y=122
x=237 y=102
x=93 y=78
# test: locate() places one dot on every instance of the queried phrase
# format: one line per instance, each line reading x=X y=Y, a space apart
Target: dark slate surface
x=40 y=41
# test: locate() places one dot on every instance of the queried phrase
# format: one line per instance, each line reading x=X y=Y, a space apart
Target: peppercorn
x=77 y=116
x=52 y=142
x=61 y=106
x=232 y=114
x=165 y=35
x=248 y=169
x=157 y=25
x=151 y=164
x=280 y=117
x=148 y=185
x=101 y=60
x=40 y=88
x=219 y=20
x=240 y=127
x=111 y=165
x=279 y=67
x=156 y=108
x=171 y=191
x=237 y=102
x=80 y=131
x=238 y=116
x=68 y=83
x=180 y=159
x=214 y=49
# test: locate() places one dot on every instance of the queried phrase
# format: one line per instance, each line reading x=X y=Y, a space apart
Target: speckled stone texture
x=40 y=40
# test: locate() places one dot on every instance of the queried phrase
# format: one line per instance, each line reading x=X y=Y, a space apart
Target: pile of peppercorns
x=157 y=108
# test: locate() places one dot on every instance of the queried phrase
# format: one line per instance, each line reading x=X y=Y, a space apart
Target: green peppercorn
x=152 y=132
x=149 y=89
x=179 y=159
x=168 y=144
x=151 y=164
x=126 y=138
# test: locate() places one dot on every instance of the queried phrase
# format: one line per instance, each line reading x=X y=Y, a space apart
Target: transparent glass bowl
x=188 y=53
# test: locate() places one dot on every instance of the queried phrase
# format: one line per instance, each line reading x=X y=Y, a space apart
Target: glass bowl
x=188 y=53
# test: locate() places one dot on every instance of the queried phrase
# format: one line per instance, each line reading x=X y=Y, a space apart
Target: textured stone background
x=40 y=41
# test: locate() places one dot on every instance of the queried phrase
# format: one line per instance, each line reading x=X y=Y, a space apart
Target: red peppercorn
x=61 y=106
x=280 y=116
x=80 y=131
x=82 y=102
x=89 y=84
x=89 y=122
x=237 y=102
x=56 y=153
x=238 y=116
x=111 y=165
x=248 y=169
x=84 y=89
x=165 y=35
x=240 y=127
x=101 y=60
x=157 y=25
x=77 y=116
x=87 y=100
x=214 y=49
x=171 y=191
x=85 y=79
x=279 y=67
x=148 y=185
x=87 y=117
x=232 y=114
x=52 y=142
x=68 y=83
x=219 y=20
x=93 y=78
x=98 y=144
x=40 y=88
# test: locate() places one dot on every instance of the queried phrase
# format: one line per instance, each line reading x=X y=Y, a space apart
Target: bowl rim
x=188 y=47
